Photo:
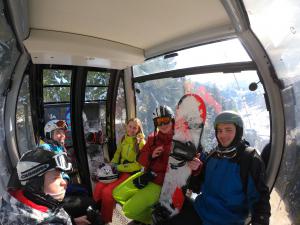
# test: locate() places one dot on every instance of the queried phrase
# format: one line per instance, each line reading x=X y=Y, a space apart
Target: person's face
x=226 y=133
x=55 y=185
x=59 y=136
x=166 y=128
x=132 y=128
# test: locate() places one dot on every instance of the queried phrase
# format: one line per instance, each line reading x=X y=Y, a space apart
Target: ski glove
x=160 y=214
x=141 y=181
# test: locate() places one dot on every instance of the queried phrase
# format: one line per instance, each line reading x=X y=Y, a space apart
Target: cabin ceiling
x=83 y=32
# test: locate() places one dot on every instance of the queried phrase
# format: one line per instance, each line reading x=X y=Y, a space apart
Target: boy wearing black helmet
x=36 y=197
x=234 y=181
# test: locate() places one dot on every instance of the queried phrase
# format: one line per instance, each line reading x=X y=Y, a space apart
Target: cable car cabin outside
x=97 y=81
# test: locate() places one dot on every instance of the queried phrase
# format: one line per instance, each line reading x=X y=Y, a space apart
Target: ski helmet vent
x=163 y=111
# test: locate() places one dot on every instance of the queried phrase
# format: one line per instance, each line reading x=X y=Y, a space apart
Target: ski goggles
x=159 y=121
x=183 y=151
x=61 y=124
x=61 y=162
x=58 y=161
x=227 y=154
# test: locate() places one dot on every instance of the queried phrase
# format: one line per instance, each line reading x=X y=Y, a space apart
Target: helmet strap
x=41 y=198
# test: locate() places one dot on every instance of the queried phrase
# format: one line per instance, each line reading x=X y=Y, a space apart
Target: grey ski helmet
x=233 y=118
x=229 y=117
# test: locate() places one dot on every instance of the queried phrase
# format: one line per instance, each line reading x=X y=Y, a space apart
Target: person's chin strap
x=42 y=199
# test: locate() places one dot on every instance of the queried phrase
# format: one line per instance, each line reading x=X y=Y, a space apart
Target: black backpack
x=245 y=160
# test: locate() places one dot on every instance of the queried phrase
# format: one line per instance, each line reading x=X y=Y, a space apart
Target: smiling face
x=55 y=185
x=59 y=136
x=226 y=133
x=132 y=128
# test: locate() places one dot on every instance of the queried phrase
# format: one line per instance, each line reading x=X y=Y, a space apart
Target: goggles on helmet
x=58 y=161
x=61 y=124
x=225 y=154
x=61 y=162
x=183 y=151
x=159 y=121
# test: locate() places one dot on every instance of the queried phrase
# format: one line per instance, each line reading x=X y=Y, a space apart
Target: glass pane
x=93 y=118
x=56 y=94
x=276 y=23
x=24 y=128
x=95 y=93
x=120 y=120
x=229 y=91
x=97 y=78
x=217 y=53
x=9 y=55
x=153 y=93
x=56 y=77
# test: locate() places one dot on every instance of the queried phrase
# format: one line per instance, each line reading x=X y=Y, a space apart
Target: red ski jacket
x=159 y=164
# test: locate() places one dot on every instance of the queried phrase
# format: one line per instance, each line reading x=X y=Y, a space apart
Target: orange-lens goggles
x=62 y=124
x=162 y=121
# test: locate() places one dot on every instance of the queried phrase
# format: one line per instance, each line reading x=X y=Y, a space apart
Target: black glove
x=141 y=181
x=262 y=220
x=160 y=214
x=94 y=216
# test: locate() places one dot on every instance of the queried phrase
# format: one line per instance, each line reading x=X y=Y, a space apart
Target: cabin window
x=56 y=97
x=24 y=128
x=121 y=115
x=95 y=100
x=223 y=86
x=96 y=86
x=94 y=118
x=56 y=85
x=220 y=91
x=229 y=51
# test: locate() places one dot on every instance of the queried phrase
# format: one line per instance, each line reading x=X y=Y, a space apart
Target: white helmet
x=54 y=125
x=106 y=173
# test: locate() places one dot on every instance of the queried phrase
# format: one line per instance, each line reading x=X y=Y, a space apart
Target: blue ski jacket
x=224 y=201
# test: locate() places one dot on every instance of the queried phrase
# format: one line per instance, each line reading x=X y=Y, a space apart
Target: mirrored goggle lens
x=62 y=124
x=62 y=162
x=162 y=120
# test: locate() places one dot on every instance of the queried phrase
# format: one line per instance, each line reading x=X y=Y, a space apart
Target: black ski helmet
x=35 y=163
x=233 y=118
x=162 y=111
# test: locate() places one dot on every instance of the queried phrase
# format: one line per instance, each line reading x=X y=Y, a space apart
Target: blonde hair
x=138 y=122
